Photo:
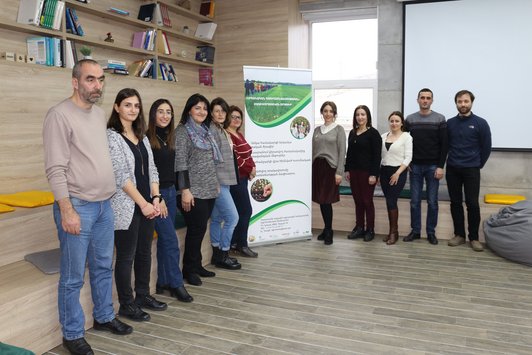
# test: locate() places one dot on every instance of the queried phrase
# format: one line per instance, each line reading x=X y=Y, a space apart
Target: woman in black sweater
x=362 y=169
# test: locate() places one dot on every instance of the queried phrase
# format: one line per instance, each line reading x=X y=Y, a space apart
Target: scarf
x=203 y=139
x=326 y=129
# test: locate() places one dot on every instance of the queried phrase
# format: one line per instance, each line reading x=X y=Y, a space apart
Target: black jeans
x=133 y=246
x=391 y=192
x=240 y=196
x=469 y=180
x=196 y=220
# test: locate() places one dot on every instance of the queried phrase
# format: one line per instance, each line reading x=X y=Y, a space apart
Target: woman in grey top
x=224 y=215
x=135 y=205
x=328 y=159
x=196 y=156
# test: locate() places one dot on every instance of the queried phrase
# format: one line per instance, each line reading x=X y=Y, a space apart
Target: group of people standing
x=420 y=144
x=115 y=181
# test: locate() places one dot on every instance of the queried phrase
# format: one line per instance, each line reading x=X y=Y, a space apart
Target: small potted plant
x=86 y=51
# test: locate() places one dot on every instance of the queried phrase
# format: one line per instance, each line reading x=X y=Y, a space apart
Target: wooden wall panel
x=249 y=33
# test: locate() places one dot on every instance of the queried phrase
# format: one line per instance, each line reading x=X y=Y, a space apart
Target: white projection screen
x=484 y=46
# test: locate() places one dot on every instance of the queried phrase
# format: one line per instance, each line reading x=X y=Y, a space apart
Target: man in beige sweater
x=80 y=174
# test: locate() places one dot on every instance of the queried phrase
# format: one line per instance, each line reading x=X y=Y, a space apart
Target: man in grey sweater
x=79 y=171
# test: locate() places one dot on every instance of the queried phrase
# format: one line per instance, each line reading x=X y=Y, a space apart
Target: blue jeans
x=94 y=245
x=419 y=173
x=224 y=218
x=168 y=272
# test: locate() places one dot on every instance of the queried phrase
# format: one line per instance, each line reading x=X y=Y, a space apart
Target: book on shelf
x=205 y=54
x=58 y=15
x=46 y=51
x=205 y=76
x=146 y=12
x=163 y=46
x=29 y=12
x=47 y=16
x=166 y=22
x=205 y=30
x=116 y=71
x=68 y=55
x=207 y=8
x=144 y=39
x=76 y=25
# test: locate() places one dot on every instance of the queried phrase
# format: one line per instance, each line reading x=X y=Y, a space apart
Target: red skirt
x=324 y=188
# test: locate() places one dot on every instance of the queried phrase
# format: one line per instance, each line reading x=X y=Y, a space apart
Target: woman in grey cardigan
x=224 y=216
x=196 y=154
x=328 y=159
x=136 y=203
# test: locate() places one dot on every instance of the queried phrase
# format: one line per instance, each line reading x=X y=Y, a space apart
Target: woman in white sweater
x=396 y=156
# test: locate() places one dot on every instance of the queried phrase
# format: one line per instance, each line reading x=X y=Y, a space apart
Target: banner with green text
x=278 y=126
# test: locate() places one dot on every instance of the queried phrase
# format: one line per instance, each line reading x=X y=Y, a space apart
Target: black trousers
x=240 y=196
x=196 y=220
x=467 y=179
x=133 y=246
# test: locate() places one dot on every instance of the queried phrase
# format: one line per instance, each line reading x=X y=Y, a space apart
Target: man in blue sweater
x=469 y=149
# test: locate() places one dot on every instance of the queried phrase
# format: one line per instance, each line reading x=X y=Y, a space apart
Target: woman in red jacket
x=239 y=192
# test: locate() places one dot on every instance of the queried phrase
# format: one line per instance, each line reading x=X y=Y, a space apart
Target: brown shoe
x=476 y=245
x=456 y=241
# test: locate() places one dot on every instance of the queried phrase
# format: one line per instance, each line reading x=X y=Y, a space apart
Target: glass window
x=344 y=66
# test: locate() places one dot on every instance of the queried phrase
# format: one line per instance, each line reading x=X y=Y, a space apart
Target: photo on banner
x=278 y=120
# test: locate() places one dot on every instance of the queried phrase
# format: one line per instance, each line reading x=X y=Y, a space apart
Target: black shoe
x=357 y=232
x=159 y=289
x=227 y=263
x=78 y=346
x=247 y=252
x=181 y=294
x=321 y=236
x=328 y=238
x=216 y=255
x=411 y=237
x=115 y=326
x=205 y=273
x=133 y=312
x=192 y=278
x=151 y=303
x=370 y=234
x=432 y=239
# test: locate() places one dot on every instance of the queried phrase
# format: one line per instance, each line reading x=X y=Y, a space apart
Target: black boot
x=216 y=255
x=370 y=234
x=321 y=236
x=328 y=238
x=357 y=232
x=226 y=262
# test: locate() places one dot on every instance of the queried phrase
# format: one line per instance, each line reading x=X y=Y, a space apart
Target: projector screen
x=484 y=46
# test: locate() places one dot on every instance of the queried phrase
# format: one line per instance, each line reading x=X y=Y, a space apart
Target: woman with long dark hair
x=362 y=170
x=135 y=205
x=162 y=136
x=396 y=156
x=328 y=160
x=196 y=155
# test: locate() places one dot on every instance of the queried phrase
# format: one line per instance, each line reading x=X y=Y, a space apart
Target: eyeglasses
x=234 y=117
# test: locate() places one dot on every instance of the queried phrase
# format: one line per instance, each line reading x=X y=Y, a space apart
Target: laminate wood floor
x=349 y=298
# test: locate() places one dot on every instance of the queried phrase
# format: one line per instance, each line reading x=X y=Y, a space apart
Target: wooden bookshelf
x=124 y=26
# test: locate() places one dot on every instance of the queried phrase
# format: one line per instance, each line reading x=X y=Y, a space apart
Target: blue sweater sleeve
x=485 y=143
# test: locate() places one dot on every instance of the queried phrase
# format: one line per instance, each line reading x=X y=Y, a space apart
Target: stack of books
x=43 y=13
x=114 y=66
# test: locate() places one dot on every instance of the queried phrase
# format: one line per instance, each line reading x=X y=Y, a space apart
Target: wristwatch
x=160 y=197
